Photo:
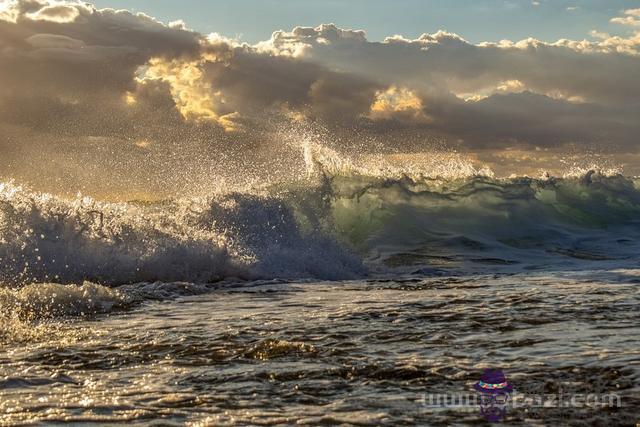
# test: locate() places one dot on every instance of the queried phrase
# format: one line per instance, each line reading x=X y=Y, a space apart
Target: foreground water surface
x=351 y=352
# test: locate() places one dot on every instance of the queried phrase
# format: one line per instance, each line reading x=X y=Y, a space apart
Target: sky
x=201 y=89
x=475 y=20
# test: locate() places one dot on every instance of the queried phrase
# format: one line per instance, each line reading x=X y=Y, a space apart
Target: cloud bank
x=119 y=86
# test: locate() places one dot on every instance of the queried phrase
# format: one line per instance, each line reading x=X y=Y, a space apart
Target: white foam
x=45 y=238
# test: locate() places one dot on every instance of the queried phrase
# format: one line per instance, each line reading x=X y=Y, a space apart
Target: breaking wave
x=338 y=223
x=46 y=238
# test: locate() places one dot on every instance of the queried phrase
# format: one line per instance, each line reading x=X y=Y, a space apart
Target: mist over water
x=335 y=218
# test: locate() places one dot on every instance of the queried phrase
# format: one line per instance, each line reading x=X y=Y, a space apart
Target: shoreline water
x=350 y=352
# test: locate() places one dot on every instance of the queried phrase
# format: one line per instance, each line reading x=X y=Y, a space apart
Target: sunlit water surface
x=351 y=352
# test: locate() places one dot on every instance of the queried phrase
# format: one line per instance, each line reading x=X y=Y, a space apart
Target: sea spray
x=342 y=220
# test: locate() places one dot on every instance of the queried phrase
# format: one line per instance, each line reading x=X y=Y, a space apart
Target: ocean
x=349 y=300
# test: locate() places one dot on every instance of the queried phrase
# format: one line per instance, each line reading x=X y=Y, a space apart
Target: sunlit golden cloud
x=397 y=101
x=58 y=12
x=194 y=97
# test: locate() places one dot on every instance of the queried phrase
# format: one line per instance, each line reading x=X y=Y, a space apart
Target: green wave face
x=485 y=221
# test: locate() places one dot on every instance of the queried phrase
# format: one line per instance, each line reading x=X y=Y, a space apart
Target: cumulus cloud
x=448 y=63
x=631 y=17
x=490 y=93
x=56 y=13
x=96 y=81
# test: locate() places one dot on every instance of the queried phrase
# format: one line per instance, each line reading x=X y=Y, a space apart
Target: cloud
x=396 y=102
x=448 y=63
x=631 y=18
x=94 y=81
x=555 y=85
x=56 y=13
x=537 y=119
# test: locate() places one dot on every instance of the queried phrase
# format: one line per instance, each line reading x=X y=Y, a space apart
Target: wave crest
x=320 y=229
x=45 y=238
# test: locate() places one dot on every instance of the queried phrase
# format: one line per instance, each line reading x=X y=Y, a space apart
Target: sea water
x=352 y=302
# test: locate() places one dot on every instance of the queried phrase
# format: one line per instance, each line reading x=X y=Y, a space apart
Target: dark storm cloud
x=70 y=71
x=536 y=119
x=251 y=80
x=502 y=93
x=70 y=62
